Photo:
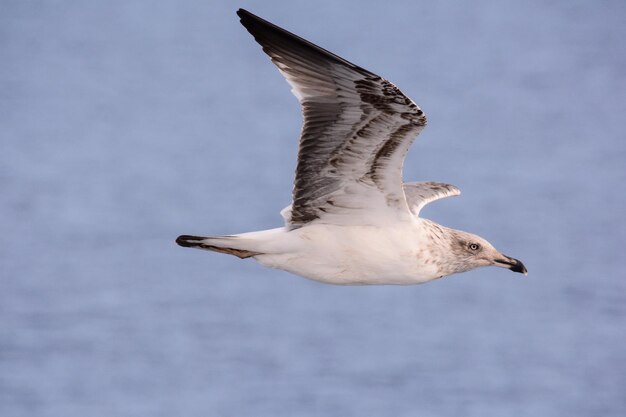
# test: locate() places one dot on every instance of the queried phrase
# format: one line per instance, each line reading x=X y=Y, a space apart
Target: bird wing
x=357 y=130
x=418 y=194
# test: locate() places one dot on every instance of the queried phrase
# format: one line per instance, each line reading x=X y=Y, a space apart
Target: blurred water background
x=124 y=124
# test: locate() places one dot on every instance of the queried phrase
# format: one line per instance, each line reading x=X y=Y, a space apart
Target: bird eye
x=474 y=246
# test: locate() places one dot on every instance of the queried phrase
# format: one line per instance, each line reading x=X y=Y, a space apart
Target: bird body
x=352 y=219
x=333 y=254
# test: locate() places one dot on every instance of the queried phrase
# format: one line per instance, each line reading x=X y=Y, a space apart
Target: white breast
x=354 y=254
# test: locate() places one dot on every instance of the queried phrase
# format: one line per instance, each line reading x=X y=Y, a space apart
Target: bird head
x=470 y=251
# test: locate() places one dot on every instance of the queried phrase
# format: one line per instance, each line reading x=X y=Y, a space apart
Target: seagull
x=352 y=220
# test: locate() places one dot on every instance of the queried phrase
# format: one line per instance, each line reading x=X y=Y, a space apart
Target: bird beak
x=513 y=264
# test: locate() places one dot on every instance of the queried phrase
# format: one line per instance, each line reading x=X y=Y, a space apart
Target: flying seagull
x=352 y=220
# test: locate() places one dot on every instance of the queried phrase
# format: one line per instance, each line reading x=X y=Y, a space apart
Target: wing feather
x=418 y=194
x=357 y=130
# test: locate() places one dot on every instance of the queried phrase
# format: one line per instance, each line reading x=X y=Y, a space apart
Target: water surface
x=124 y=125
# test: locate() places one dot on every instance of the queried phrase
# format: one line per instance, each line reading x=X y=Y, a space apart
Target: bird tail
x=231 y=245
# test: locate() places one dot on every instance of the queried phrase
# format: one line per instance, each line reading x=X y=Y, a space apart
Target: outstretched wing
x=418 y=194
x=357 y=130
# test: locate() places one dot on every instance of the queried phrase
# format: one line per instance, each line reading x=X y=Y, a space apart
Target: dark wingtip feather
x=189 y=241
x=243 y=13
x=248 y=18
x=271 y=36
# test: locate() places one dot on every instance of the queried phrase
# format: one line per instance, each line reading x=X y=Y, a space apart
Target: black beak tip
x=518 y=266
x=513 y=264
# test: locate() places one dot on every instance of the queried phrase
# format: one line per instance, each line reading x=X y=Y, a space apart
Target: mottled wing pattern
x=418 y=194
x=357 y=130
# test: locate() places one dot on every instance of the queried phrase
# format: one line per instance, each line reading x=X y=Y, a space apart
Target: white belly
x=352 y=255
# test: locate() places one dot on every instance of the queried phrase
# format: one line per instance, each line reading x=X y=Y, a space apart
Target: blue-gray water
x=124 y=124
